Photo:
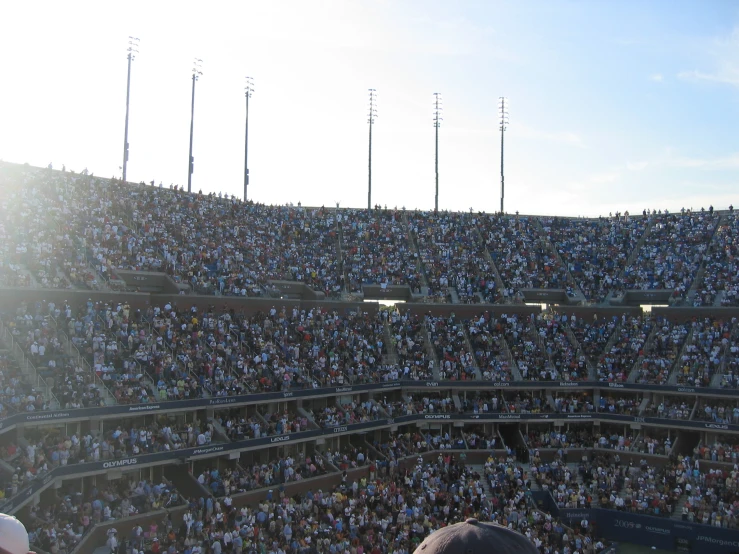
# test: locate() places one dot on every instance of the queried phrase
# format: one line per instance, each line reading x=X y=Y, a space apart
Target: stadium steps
x=392 y=353
x=634 y=373
x=533 y=485
x=30 y=374
x=31 y=277
x=431 y=353
x=607 y=348
x=580 y=353
x=457 y=402
x=100 y=283
x=575 y=469
x=413 y=240
x=579 y=296
x=632 y=257
x=678 y=511
x=719 y=298
x=644 y=403
x=698 y=280
x=453 y=294
x=480 y=469
x=674 y=372
x=515 y=371
x=697 y=283
x=468 y=345
x=719 y=375
x=498 y=280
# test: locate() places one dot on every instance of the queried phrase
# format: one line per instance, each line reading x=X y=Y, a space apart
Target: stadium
x=181 y=370
x=341 y=357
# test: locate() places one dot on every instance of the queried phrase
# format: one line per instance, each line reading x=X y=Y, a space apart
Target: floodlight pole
x=371 y=120
x=196 y=73
x=248 y=92
x=133 y=45
x=503 y=113
x=437 y=124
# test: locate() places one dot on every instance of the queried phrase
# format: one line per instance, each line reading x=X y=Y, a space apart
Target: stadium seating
x=243 y=368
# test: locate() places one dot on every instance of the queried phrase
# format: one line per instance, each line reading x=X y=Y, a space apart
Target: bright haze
x=614 y=106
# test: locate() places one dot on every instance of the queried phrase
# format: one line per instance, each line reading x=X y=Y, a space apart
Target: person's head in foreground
x=13 y=536
x=474 y=537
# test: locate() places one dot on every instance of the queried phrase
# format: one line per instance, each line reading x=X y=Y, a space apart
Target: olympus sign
x=120 y=463
x=437 y=417
x=501 y=384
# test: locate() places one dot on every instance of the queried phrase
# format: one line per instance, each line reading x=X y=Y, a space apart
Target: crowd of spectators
x=525 y=259
x=525 y=346
x=431 y=402
x=592 y=336
x=671 y=253
x=615 y=404
x=703 y=356
x=68 y=230
x=559 y=439
x=58 y=525
x=376 y=250
x=720 y=268
x=347 y=413
x=662 y=352
x=573 y=403
x=718 y=411
x=595 y=250
x=410 y=338
x=487 y=339
x=453 y=257
x=565 y=362
x=616 y=364
x=720 y=450
x=482 y=402
x=653 y=441
x=712 y=496
x=448 y=338
x=670 y=407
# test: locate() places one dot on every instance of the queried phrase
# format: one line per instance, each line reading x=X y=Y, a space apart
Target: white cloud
x=636 y=166
x=730 y=77
x=726 y=162
x=723 y=55
x=657 y=77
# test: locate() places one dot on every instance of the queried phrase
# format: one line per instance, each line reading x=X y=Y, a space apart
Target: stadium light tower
x=248 y=90
x=196 y=73
x=133 y=49
x=503 y=113
x=437 y=124
x=371 y=120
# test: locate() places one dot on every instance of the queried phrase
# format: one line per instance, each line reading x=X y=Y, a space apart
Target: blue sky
x=613 y=105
